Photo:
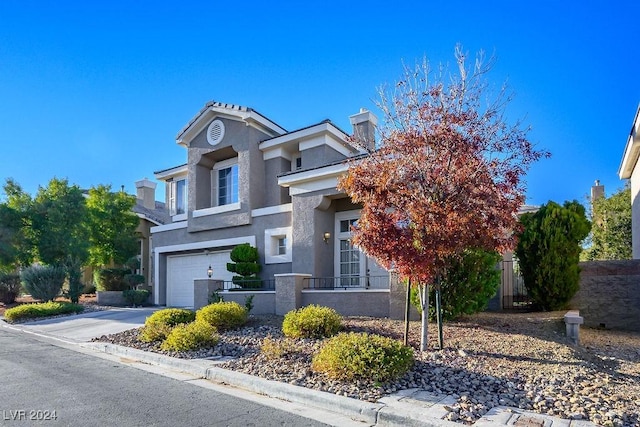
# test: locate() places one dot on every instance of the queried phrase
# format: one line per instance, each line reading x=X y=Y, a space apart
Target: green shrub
x=133 y=280
x=190 y=336
x=111 y=279
x=159 y=324
x=73 y=288
x=245 y=263
x=43 y=282
x=363 y=356
x=548 y=253
x=135 y=297
x=215 y=297
x=312 y=321
x=248 y=303
x=468 y=286
x=223 y=315
x=51 y=308
x=9 y=287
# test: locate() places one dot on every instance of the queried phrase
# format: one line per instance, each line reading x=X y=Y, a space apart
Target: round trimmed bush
x=223 y=315
x=351 y=356
x=312 y=321
x=190 y=336
x=159 y=324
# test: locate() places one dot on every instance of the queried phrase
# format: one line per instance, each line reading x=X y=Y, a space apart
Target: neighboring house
x=629 y=170
x=151 y=214
x=248 y=180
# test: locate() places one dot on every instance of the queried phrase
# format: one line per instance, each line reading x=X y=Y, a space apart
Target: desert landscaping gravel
x=490 y=359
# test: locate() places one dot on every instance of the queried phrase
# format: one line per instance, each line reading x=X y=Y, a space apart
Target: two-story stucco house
x=248 y=180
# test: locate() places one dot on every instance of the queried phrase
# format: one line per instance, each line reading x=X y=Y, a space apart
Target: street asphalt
x=413 y=407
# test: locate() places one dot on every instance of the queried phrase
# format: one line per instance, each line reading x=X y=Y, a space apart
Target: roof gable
x=215 y=109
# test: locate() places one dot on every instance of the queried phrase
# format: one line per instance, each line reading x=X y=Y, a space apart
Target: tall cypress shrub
x=548 y=252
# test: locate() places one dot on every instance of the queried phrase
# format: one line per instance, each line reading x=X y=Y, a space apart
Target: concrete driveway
x=84 y=327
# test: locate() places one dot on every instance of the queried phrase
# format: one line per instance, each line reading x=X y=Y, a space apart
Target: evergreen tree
x=548 y=251
x=611 y=227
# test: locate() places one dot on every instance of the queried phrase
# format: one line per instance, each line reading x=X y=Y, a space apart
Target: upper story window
x=282 y=245
x=225 y=182
x=178 y=196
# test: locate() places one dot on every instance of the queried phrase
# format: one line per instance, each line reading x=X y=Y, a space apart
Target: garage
x=183 y=269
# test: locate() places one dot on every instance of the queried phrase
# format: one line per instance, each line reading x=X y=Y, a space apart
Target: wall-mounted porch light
x=209 y=271
x=326 y=236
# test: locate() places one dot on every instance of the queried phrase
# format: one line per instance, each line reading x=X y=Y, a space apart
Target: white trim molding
x=271 y=237
x=216 y=210
x=272 y=210
x=314 y=179
x=632 y=149
x=169 y=227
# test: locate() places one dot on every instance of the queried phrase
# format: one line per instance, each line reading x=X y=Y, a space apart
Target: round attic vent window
x=215 y=133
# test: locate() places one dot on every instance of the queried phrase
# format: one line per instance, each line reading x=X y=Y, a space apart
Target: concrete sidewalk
x=413 y=407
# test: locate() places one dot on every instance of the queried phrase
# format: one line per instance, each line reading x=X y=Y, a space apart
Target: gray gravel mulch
x=490 y=359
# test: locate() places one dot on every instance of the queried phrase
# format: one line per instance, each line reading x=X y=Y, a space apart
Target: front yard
x=490 y=359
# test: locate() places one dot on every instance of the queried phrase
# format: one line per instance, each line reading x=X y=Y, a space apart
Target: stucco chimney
x=364 y=128
x=597 y=191
x=146 y=193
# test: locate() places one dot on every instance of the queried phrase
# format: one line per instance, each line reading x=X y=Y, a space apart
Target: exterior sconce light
x=326 y=236
x=209 y=271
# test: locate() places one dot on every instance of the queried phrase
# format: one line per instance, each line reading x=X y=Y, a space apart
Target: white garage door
x=183 y=269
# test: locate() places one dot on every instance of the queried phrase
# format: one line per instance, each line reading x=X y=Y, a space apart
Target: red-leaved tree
x=447 y=174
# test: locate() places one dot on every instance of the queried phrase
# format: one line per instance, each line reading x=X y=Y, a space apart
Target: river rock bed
x=490 y=359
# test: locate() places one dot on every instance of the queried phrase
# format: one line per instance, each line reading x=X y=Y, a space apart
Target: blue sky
x=96 y=91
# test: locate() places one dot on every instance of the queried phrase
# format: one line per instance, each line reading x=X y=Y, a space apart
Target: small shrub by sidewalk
x=353 y=356
x=190 y=336
x=43 y=282
x=159 y=324
x=9 y=287
x=223 y=315
x=312 y=321
x=45 y=309
x=135 y=297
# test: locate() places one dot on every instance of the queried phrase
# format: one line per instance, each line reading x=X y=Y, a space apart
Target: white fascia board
x=206 y=244
x=265 y=123
x=272 y=210
x=172 y=173
x=631 y=151
x=309 y=186
x=274 y=153
x=146 y=218
x=332 y=171
x=325 y=140
x=297 y=136
x=169 y=227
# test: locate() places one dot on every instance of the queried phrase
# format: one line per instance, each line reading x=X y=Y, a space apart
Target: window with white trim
x=282 y=245
x=225 y=183
x=277 y=245
x=350 y=261
x=178 y=196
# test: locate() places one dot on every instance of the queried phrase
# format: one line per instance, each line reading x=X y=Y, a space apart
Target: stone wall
x=609 y=295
